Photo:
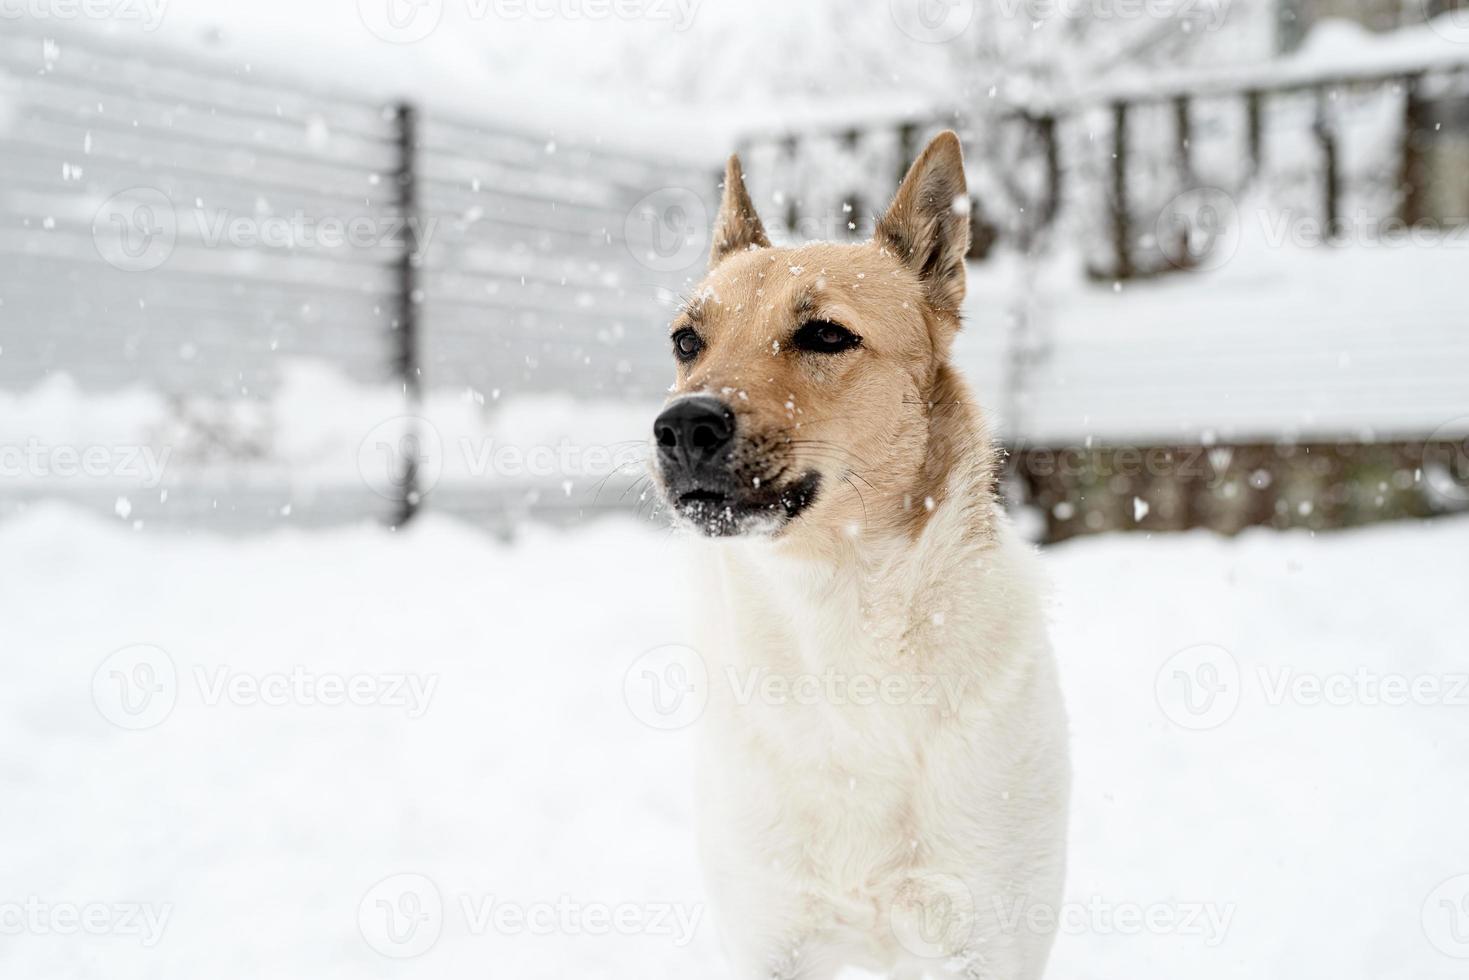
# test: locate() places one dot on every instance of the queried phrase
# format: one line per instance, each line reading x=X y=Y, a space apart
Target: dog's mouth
x=717 y=509
x=711 y=497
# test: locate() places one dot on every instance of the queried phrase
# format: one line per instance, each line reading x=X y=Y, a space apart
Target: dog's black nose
x=693 y=430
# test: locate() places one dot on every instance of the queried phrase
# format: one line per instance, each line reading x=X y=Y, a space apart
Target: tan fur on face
x=884 y=424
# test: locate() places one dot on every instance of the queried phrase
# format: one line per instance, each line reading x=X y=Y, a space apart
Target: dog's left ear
x=928 y=222
x=738 y=227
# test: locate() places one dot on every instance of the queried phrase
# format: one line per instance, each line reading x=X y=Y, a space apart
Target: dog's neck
x=949 y=501
x=824 y=587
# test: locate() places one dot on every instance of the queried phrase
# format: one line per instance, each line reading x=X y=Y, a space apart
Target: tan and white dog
x=885 y=786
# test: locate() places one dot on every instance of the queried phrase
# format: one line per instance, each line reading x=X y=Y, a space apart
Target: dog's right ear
x=927 y=225
x=738 y=227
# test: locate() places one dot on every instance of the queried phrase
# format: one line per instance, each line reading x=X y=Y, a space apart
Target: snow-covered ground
x=491 y=800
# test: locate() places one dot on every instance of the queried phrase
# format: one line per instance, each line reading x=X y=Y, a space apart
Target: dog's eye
x=686 y=345
x=824 y=337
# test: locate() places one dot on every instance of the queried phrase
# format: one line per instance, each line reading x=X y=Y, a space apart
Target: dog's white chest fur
x=885 y=778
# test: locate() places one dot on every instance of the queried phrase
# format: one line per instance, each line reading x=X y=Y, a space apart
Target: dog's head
x=808 y=377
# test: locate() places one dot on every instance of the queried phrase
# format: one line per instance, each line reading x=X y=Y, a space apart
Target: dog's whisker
x=642 y=483
x=827 y=444
x=839 y=451
x=860 y=499
x=841 y=456
x=602 y=483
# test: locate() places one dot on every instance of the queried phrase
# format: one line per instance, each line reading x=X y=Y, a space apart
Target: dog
x=885 y=779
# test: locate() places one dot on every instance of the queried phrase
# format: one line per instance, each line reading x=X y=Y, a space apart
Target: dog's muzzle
x=717 y=482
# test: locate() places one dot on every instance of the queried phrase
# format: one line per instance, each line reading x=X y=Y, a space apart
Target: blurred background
x=347 y=263
x=330 y=339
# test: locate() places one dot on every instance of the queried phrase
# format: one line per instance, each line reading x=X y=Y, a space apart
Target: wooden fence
x=1127 y=172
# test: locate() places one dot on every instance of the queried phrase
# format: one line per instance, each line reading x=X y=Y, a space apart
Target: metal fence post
x=793 y=202
x=1254 y=130
x=907 y=149
x=853 y=203
x=406 y=364
x=1051 y=202
x=1183 y=141
x=1330 y=165
x=1121 y=219
x=1412 y=176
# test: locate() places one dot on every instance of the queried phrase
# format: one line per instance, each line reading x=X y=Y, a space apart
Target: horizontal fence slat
x=206 y=237
x=164 y=146
x=572 y=193
x=38 y=162
x=218 y=264
x=251 y=292
x=56 y=100
x=446 y=134
x=195 y=85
